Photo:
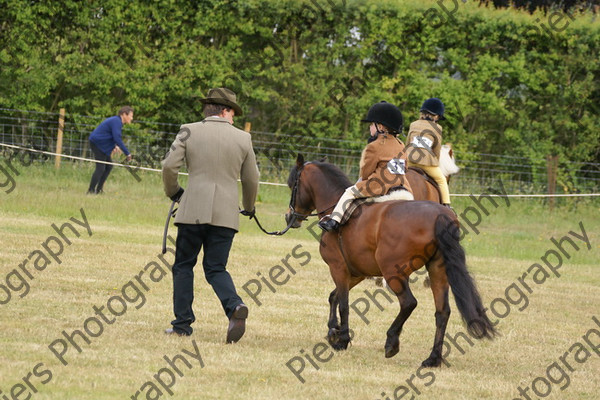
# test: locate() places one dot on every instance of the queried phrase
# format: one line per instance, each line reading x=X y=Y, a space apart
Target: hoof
x=333 y=335
x=338 y=339
x=334 y=339
x=391 y=351
x=432 y=362
x=339 y=346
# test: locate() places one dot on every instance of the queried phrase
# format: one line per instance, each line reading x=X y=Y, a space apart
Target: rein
x=275 y=233
x=295 y=215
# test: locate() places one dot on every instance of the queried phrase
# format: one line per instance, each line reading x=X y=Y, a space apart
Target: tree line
x=546 y=5
x=513 y=83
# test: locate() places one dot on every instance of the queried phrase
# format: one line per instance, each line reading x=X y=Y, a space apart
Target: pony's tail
x=461 y=282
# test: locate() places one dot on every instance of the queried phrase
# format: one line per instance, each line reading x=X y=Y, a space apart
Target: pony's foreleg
x=407 y=304
x=332 y=324
x=339 y=334
x=439 y=287
x=343 y=334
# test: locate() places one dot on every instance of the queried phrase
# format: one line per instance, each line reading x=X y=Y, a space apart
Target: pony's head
x=309 y=180
x=447 y=164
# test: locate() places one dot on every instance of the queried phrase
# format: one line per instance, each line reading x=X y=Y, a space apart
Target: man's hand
x=248 y=213
x=177 y=196
x=129 y=157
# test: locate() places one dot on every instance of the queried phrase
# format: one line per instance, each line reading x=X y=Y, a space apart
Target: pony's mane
x=336 y=176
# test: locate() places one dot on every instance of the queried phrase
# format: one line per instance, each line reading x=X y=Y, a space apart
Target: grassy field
x=546 y=347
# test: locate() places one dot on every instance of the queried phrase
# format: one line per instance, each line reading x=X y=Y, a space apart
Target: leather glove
x=177 y=196
x=248 y=213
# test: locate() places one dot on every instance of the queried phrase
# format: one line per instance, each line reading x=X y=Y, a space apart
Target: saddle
x=395 y=193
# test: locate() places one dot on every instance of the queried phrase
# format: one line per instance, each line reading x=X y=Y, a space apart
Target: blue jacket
x=108 y=134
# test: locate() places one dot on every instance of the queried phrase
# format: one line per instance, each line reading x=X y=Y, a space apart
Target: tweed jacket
x=216 y=154
x=424 y=143
x=377 y=171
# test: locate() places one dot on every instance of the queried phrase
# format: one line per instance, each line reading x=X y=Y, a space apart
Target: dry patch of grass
x=288 y=326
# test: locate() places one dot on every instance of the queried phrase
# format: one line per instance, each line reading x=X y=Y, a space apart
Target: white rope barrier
x=79 y=158
x=534 y=195
x=270 y=183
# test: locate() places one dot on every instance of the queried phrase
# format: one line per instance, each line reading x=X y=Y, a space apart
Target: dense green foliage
x=545 y=5
x=513 y=83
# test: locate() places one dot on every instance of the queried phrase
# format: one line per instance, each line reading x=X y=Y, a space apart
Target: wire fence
x=276 y=153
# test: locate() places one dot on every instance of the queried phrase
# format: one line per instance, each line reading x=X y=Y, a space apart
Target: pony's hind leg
x=407 y=304
x=439 y=287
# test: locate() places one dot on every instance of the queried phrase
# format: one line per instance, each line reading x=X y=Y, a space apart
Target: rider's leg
x=344 y=202
x=436 y=174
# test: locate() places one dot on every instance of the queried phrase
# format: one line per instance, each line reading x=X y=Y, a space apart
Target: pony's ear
x=450 y=151
x=323 y=159
x=300 y=161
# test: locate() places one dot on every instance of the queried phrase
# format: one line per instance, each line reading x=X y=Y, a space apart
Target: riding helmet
x=387 y=114
x=434 y=106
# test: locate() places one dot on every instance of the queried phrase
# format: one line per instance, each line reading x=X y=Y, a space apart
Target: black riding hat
x=434 y=106
x=387 y=114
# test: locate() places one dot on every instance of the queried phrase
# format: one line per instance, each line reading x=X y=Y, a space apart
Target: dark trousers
x=102 y=170
x=216 y=242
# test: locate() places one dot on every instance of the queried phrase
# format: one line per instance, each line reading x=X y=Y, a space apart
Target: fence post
x=551 y=168
x=59 y=137
x=248 y=126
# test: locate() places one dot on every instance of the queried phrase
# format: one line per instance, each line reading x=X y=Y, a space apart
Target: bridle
x=294 y=215
x=292 y=206
x=293 y=211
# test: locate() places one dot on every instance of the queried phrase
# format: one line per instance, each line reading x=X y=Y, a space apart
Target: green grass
x=127 y=224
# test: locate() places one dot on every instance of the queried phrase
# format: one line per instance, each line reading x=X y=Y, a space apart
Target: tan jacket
x=216 y=154
x=424 y=143
x=376 y=178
